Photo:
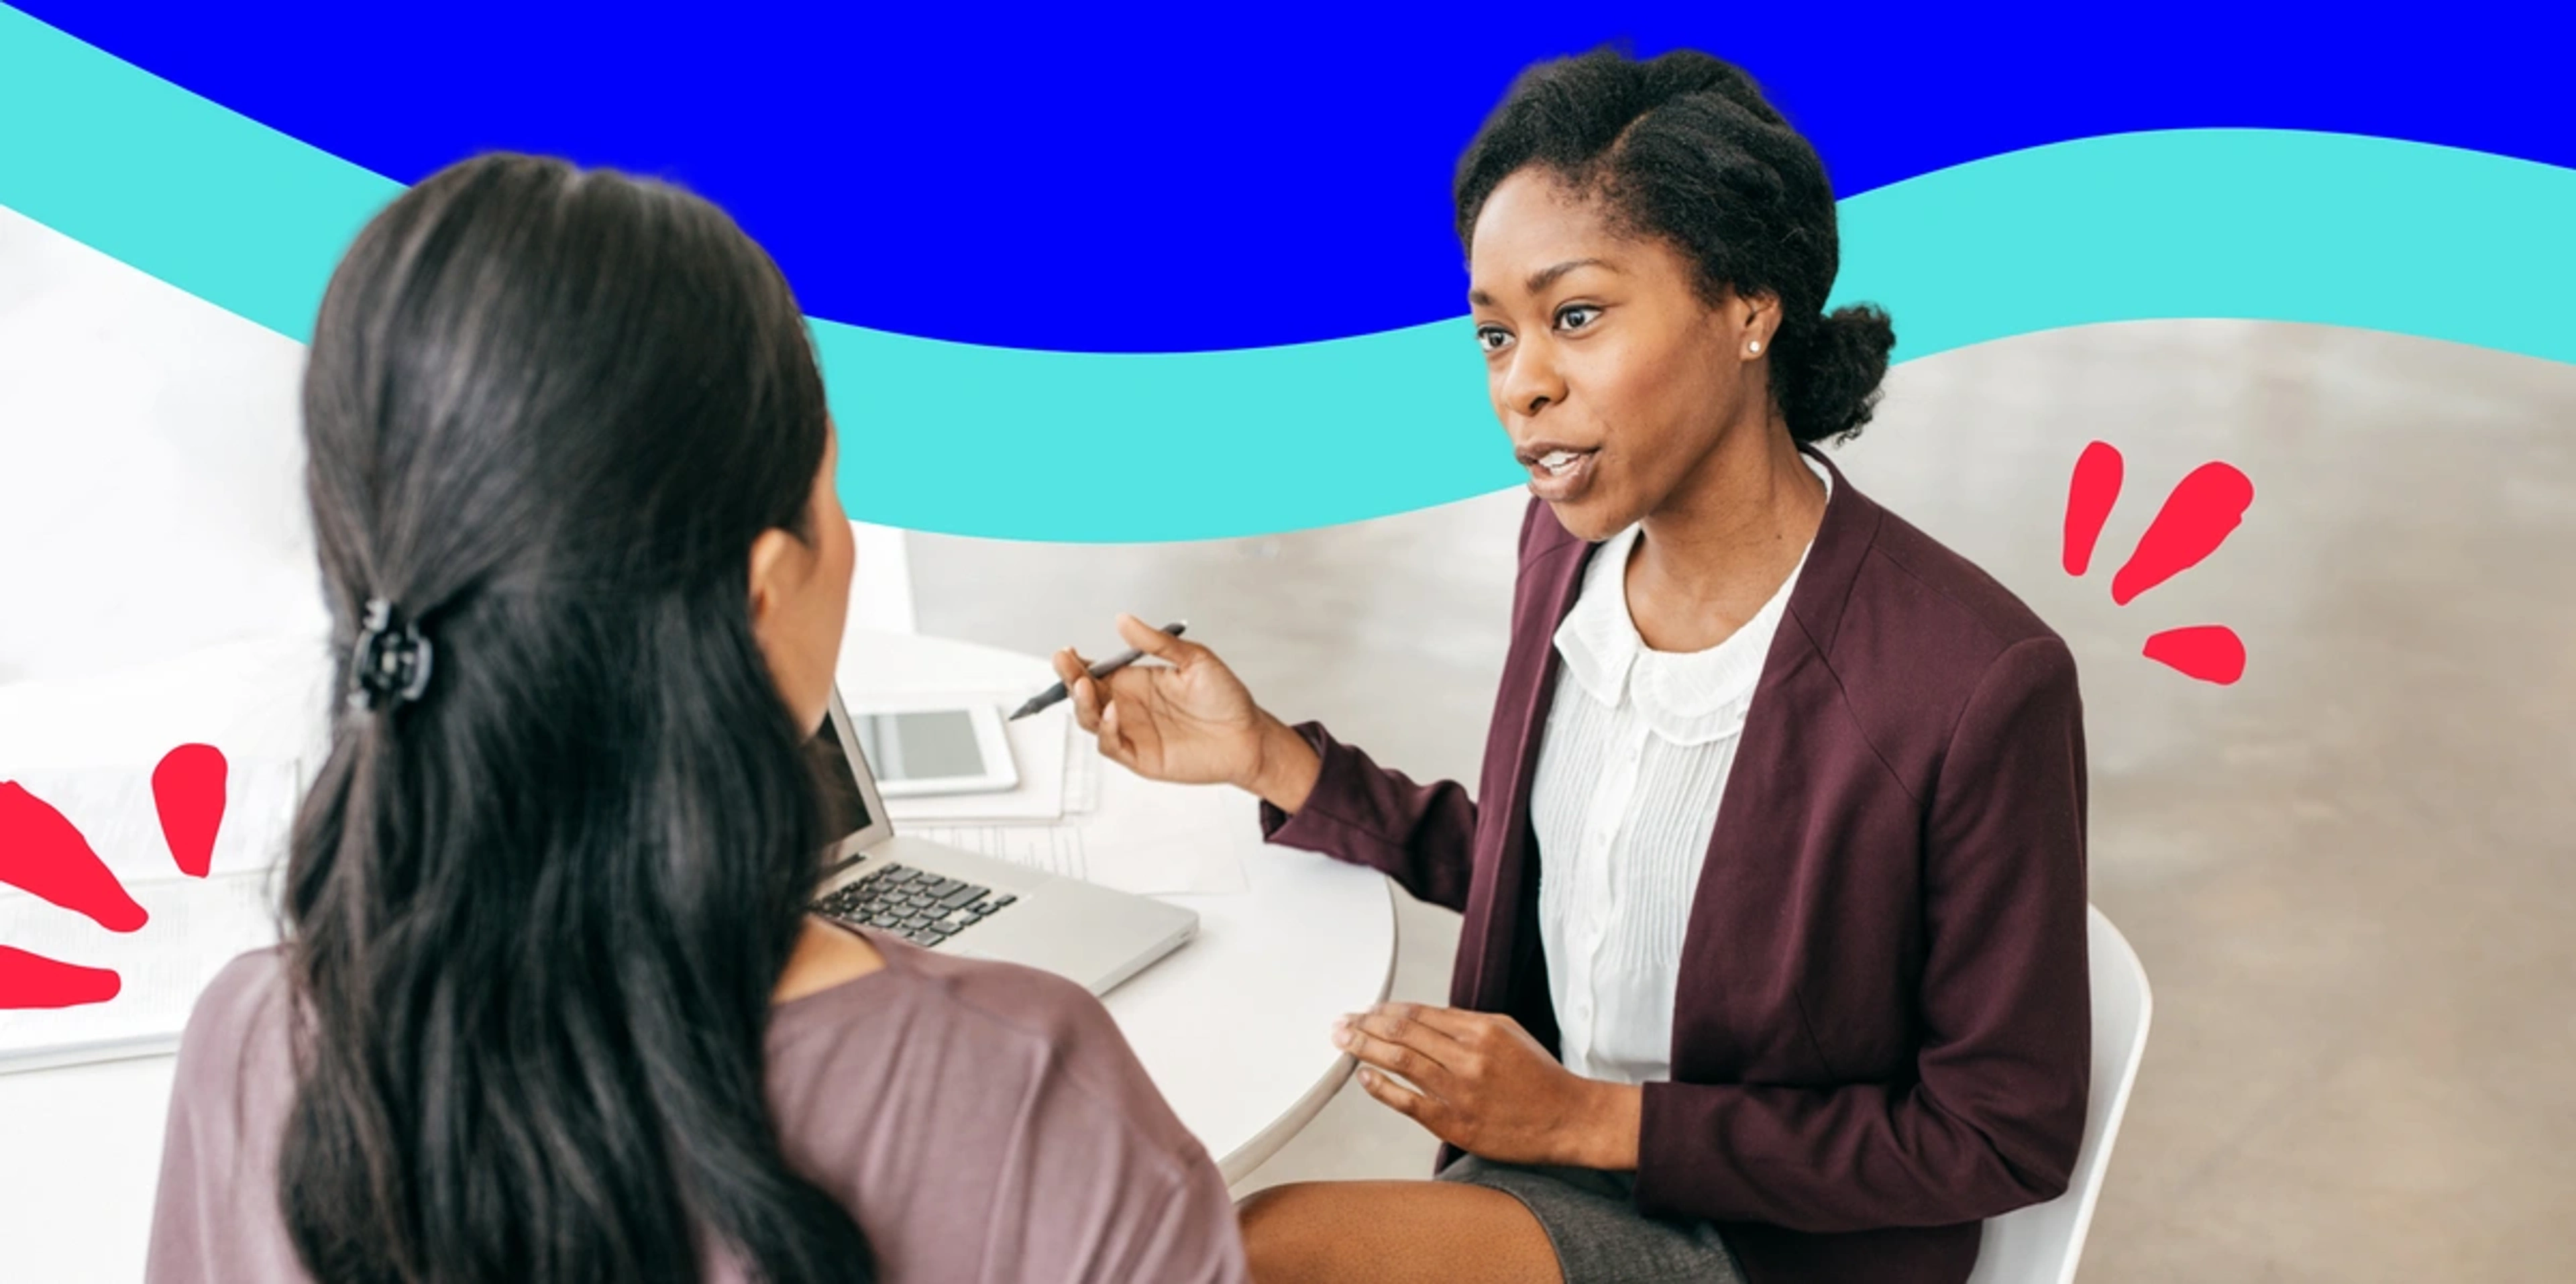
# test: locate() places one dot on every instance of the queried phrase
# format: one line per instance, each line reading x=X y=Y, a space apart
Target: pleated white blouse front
x=1637 y=750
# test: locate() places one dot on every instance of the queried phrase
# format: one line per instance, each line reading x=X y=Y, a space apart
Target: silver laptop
x=957 y=902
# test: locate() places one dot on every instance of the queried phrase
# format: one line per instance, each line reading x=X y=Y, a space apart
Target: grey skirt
x=1591 y=1219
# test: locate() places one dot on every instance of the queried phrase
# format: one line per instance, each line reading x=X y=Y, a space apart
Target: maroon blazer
x=1883 y=1031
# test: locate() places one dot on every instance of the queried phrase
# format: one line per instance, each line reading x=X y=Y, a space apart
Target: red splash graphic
x=34 y=981
x=2088 y=502
x=2197 y=517
x=42 y=852
x=2209 y=652
x=188 y=789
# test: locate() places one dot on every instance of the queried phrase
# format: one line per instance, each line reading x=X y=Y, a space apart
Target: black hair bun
x=1833 y=371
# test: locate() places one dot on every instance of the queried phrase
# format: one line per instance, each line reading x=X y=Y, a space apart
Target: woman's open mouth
x=1559 y=473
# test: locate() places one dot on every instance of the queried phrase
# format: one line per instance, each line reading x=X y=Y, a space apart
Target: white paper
x=1176 y=841
x=1082 y=763
x=196 y=926
x=1054 y=849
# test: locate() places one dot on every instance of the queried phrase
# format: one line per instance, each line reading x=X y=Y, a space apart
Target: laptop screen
x=845 y=809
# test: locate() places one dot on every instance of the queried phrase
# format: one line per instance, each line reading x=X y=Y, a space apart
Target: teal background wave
x=2270 y=225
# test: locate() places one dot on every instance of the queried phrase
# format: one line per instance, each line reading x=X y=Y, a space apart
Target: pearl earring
x=1755 y=346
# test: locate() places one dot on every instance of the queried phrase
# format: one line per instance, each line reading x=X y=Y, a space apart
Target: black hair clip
x=388 y=662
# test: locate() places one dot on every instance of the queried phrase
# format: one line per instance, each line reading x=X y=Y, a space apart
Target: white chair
x=881 y=586
x=2043 y=1243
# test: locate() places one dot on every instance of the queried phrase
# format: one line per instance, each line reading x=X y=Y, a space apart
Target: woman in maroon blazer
x=1774 y=957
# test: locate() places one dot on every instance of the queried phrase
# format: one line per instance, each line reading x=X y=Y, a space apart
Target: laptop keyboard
x=922 y=908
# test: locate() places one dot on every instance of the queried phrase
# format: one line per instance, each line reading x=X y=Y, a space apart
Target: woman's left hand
x=1482 y=1084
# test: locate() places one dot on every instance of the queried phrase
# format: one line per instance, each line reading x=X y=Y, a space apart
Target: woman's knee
x=1287 y=1235
x=1393 y=1232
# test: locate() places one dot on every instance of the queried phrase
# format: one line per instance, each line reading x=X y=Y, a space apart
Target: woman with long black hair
x=1774 y=959
x=551 y=1007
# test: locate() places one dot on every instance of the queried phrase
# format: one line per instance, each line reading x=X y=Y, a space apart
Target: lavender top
x=981 y=1121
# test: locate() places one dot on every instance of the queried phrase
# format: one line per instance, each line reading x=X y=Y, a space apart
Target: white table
x=1232 y=1027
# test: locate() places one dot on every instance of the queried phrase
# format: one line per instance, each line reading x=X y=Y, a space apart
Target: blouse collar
x=1688 y=698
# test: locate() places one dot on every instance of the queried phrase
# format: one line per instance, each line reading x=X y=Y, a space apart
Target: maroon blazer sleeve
x=1422 y=836
x=1996 y=1113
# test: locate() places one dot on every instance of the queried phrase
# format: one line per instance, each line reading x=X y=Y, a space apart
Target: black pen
x=1047 y=699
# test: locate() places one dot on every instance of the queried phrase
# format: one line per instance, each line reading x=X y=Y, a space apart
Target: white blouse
x=1635 y=759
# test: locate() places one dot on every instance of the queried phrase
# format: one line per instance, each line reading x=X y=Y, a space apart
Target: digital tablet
x=934 y=746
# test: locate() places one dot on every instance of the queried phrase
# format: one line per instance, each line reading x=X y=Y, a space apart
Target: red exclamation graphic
x=2209 y=652
x=2088 y=502
x=188 y=788
x=34 y=981
x=2197 y=517
x=41 y=852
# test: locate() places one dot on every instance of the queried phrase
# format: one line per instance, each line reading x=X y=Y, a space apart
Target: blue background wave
x=2343 y=229
x=1051 y=178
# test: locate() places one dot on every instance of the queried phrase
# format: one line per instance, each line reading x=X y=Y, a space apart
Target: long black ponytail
x=536 y=915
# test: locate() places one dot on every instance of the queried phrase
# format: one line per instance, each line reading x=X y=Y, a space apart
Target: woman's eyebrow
x=1544 y=278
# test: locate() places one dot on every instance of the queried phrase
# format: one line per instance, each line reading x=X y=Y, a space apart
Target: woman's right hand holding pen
x=1188 y=720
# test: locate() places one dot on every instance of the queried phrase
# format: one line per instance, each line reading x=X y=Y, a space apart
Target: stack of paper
x=1053 y=820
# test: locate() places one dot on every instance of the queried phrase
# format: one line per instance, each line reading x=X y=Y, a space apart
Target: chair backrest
x=2042 y=1244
